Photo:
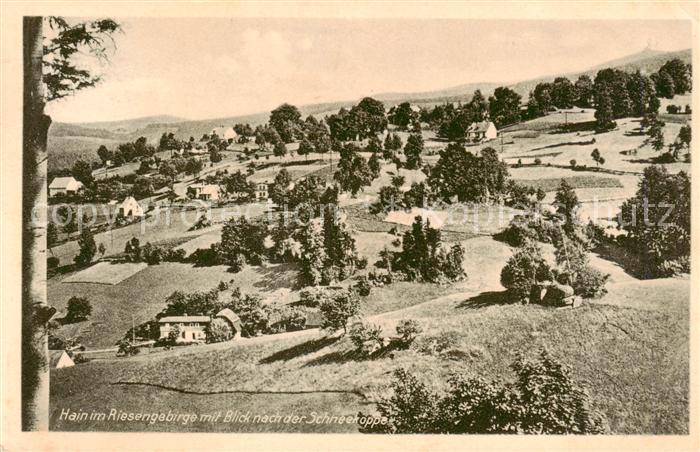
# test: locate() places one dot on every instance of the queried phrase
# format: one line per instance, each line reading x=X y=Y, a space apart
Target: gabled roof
x=221 y=131
x=229 y=315
x=482 y=126
x=56 y=355
x=129 y=200
x=185 y=318
x=63 y=182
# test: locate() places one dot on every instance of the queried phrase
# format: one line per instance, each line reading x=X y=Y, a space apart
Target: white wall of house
x=189 y=331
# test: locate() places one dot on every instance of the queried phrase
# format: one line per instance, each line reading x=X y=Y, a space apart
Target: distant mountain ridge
x=132 y=124
x=64 y=135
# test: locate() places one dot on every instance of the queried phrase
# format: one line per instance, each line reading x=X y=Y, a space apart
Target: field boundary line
x=238 y=391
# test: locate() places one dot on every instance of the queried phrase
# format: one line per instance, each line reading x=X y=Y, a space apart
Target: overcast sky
x=208 y=68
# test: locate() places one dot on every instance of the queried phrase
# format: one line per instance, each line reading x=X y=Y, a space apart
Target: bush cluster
x=544 y=399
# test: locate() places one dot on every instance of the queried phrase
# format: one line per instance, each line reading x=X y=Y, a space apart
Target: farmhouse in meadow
x=64 y=186
x=130 y=208
x=205 y=192
x=225 y=133
x=193 y=328
x=478 y=132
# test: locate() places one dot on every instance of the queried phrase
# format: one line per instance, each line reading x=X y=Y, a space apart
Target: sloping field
x=552 y=184
x=106 y=273
x=143 y=295
x=633 y=361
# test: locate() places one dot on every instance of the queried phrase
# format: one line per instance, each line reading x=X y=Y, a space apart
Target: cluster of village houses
x=477 y=132
x=193 y=329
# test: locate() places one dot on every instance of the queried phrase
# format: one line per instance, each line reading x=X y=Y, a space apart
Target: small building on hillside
x=205 y=192
x=232 y=319
x=190 y=328
x=59 y=359
x=198 y=151
x=262 y=192
x=225 y=133
x=130 y=208
x=478 y=132
x=64 y=186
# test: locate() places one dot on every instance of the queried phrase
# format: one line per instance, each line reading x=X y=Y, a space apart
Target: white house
x=190 y=328
x=205 y=192
x=59 y=359
x=478 y=132
x=64 y=186
x=130 y=208
x=193 y=328
x=225 y=133
x=262 y=190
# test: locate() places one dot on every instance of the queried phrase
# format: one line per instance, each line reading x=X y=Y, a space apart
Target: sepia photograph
x=362 y=225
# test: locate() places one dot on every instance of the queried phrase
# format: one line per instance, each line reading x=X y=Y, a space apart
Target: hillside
x=130 y=125
x=71 y=141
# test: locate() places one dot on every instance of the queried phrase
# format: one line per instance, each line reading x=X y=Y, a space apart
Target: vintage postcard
x=275 y=221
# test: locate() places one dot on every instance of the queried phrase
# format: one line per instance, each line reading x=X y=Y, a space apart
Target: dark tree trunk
x=35 y=312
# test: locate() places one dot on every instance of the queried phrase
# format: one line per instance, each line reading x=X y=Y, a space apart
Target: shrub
x=174 y=255
x=572 y=162
x=202 y=222
x=366 y=337
x=219 y=330
x=524 y=270
x=436 y=345
x=255 y=318
x=655 y=233
x=173 y=335
x=79 y=358
x=338 y=309
x=132 y=250
x=52 y=262
x=314 y=296
x=408 y=331
x=363 y=286
x=152 y=254
x=207 y=257
x=411 y=408
x=79 y=308
x=284 y=318
x=544 y=399
x=125 y=348
x=361 y=263
x=294 y=320
x=422 y=257
x=538 y=161
x=518 y=232
x=675 y=267
x=590 y=283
